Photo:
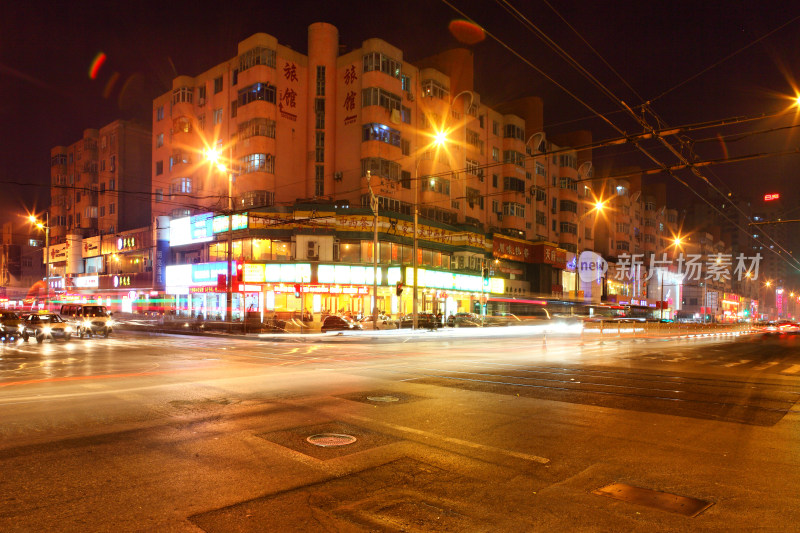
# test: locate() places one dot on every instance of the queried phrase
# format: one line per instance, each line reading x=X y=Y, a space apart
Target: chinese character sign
x=716 y=267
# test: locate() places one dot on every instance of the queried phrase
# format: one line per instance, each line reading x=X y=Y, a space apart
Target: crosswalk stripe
x=765 y=365
x=791 y=370
x=741 y=362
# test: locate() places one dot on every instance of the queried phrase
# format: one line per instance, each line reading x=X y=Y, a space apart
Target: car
x=464 y=320
x=384 y=322
x=424 y=320
x=46 y=326
x=782 y=327
x=339 y=323
x=88 y=319
x=10 y=325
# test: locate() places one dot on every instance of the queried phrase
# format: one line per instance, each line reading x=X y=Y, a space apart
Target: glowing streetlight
x=768 y=284
x=213 y=157
x=46 y=227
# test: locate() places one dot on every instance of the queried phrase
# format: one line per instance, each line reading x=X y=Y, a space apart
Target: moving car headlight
x=21 y=327
x=87 y=323
x=47 y=330
x=110 y=323
x=68 y=329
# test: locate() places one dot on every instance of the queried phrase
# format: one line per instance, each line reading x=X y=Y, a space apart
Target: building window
x=377 y=96
x=405 y=83
x=566 y=160
x=319 y=180
x=379 y=132
x=320 y=80
x=218 y=85
x=495 y=127
x=179 y=186
x=111 y=209
x=218 y=116
x=434 y=89
x=383 y=63
x=257 y=91
x=234 y=108
x=405 y=146
x=262 y=127
x=159 y=168
x=569 y=206
x=159 y=113
x=201 y=95
x=182 y=95
x=513 y=131
x=405 y=179
x=495 y=207
x=513 y=209
x=540 y=170
x=257 y=163
x=439 y=185
x=541 y=218
x=474 y=139
x=257 y=56
x=513 y=184
x=159 y=140
x=405 y=114
x=319 y=147
x=102 y=210
x=512 y=156
x=377 y=166
x=159 y=195
x=569 y=227
x=319 y=113
x=111 y=184
x=495 y=153
x=494 y=180
x=112 y=164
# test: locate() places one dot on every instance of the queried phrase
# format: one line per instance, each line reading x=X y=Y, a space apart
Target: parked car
x=88 y=319
x=339 y=323
x=464 y=320
x=384 y=322
x=46 y=326
x=424 y=320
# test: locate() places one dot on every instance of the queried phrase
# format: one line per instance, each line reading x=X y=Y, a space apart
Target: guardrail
x=604 y=330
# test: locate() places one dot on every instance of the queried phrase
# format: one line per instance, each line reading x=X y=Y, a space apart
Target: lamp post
x=213 y=157
x=374 y=205
x=46 y=228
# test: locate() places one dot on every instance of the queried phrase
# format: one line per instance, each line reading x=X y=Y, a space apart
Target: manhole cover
x=328 y=440
x=383 y=398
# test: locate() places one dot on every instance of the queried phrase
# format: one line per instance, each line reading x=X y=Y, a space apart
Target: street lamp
x=676 y=242
x=46 y=227
x=212 y=156
x=374 y=205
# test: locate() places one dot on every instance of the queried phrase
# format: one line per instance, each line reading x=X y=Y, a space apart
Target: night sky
x=658 y=48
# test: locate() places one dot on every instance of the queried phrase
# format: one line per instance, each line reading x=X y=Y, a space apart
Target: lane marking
x=741 y=362
x=765 y=365
x=791 y=370
x=460 y=442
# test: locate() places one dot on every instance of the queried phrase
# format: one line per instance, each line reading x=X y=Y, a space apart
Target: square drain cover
x=663 y=501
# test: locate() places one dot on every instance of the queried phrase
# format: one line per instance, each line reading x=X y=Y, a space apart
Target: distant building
x=21 y=266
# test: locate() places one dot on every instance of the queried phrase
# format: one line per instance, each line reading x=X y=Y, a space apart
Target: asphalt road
x=189 y=433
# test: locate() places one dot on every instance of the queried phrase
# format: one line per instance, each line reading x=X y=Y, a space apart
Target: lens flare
x=466 y=32
x=98 y=61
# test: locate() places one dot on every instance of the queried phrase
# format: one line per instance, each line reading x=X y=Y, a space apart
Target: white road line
x=741 y=362
x=460 y=442
x=765 y=365
x=791 y=370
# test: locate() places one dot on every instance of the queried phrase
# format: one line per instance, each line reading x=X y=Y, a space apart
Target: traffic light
x=297 y=290
x=399 y=288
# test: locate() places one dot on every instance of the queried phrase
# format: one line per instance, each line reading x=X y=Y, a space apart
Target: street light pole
x=414 y=303
x=47 y=268
x=374 y=205
x=229 y=295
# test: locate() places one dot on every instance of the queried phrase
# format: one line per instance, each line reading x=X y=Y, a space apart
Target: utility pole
x=374 y=204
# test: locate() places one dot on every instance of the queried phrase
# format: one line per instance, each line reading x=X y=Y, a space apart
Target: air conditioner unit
x=410 y=96
x=337 y=176
x=313 y=251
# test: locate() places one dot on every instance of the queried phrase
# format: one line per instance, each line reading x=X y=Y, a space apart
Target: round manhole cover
x=383 y=398
x=328 y=440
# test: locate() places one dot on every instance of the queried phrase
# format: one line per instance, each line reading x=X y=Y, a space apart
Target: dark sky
x=47 y=97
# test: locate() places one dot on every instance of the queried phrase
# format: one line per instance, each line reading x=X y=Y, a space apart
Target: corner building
x=304 y=137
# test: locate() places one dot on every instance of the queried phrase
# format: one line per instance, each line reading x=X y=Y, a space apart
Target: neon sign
x=770 y=197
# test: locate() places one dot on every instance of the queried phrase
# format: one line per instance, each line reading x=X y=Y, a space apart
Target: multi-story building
x=21 y=265
x=100 y=185
x=329 y=129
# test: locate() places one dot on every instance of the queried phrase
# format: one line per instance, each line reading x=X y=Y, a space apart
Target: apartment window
x=553 y=208
x=405 y=146
x=379 y=132
x=495 y=153
x=513 y=209
x=319 y=147
x=259 y=55
x=377 y=96
x=218 y=85
x=320 y=80
x=102 y=164
x=513 y=131
x=262 y=127
x=201 y=122
x=405 y=114
x=159 y=168
x=474 y=167
x=513 y=184
x=257 y=163
x=405 y=179
x=159 y=195
x=102 y=187
x=77 y=197
x=179 y=186
x=234 y=108
x=623 y=228
x=439 y=185
x=218 y=116
x=512 y=156
x=182 y=95
x=623 y=245
x=540 y=170
x=434 y=89
x=587 y=233
x=77 y=219
x=257 y=91
x=567 y=160
x=495 y=127
x=319 y=180
x=319 y=112
x=494 y=180
x=474 y=139
x=171 y=162
x=383 y=63
x=91 y=212
x=111 y=209
x=113 y=163
x=405 y=83
x=159 y=114
x=495 y=206
x=102 y=210
x=541 y=218
x=111 y=184
x=201 y=94
x=377 y=166
x=569 y=206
